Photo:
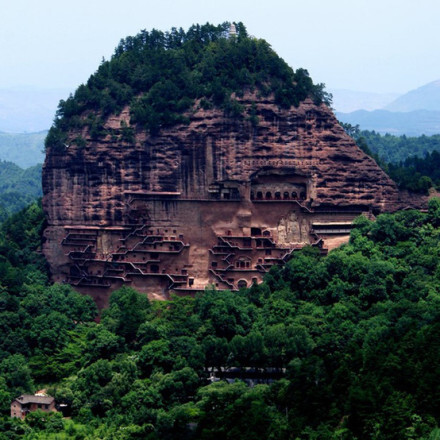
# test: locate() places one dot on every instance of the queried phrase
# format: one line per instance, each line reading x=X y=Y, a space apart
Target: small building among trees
x=26 y=403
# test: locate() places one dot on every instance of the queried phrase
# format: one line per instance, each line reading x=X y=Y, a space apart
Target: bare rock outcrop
x=214 y=202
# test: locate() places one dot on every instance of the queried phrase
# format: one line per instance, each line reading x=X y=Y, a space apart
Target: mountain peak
x=426 y=97
x=192 y=160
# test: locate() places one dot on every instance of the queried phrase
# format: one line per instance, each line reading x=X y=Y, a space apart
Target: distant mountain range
x=28 y=109
x=413 y=123
x=426 y=97
x=413 y=114
x=18 y=187
x=26 y=114
x=23 y=149
x=346 y=101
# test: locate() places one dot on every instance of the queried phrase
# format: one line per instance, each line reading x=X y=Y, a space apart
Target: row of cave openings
x=259 y=195
x=255 y=232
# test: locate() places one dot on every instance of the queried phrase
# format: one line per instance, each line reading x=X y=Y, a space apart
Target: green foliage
x=126 y=312
x=39 y=421
x=417 y=174
x=412 y=162
x=434 y=212
x=163 y=76
x=18 y=187
x=17 y=374
x=21 y=263
x=236 y=411
x=396 y=149
x=355 y=334
x=226 y=313
x=23 y=149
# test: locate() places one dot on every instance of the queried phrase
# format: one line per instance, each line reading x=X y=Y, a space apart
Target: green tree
x=127 y=310
x=17 y=374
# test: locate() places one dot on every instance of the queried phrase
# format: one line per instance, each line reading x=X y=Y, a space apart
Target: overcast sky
x=364 y=45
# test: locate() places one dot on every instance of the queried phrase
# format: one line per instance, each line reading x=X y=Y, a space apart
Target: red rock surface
x=213 y=202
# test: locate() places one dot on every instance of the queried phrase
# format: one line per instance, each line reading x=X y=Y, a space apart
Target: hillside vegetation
x=413 y=163
x=18 y=187
x=350 y=340
x=163 y=75
x=24 y=149
x=357 y=333
x=396 y=149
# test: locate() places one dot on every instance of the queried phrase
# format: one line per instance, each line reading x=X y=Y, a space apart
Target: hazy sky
x=365 y=45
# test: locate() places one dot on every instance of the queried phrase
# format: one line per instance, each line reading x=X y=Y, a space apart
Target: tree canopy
x=162 y=75
x=412 y=162
x=18 y=187
x=353 y=337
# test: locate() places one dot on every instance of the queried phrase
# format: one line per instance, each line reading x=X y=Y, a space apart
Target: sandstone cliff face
x=272 y=187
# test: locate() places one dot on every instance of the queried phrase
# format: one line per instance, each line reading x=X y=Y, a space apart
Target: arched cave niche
x=280 y=184
x=255 y=232
x=242 y=284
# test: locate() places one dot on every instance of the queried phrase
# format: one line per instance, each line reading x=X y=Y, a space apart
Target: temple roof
x=30 y=398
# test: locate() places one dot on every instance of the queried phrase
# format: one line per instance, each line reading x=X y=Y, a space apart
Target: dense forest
x=413 y=163
x=396 y=149
x=343 y=346
x=417 y=174
x=163 y=75
x=354 y=335
x=23 y=149
x=18 y=187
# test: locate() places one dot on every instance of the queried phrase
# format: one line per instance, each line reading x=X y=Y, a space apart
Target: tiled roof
x=30 y=398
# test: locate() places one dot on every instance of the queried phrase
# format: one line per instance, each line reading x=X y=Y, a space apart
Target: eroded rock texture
x=215 y=202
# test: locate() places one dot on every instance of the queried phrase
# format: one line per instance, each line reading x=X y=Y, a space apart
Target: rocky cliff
x=156 y=207
x=216 y=200
x=194 y=161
